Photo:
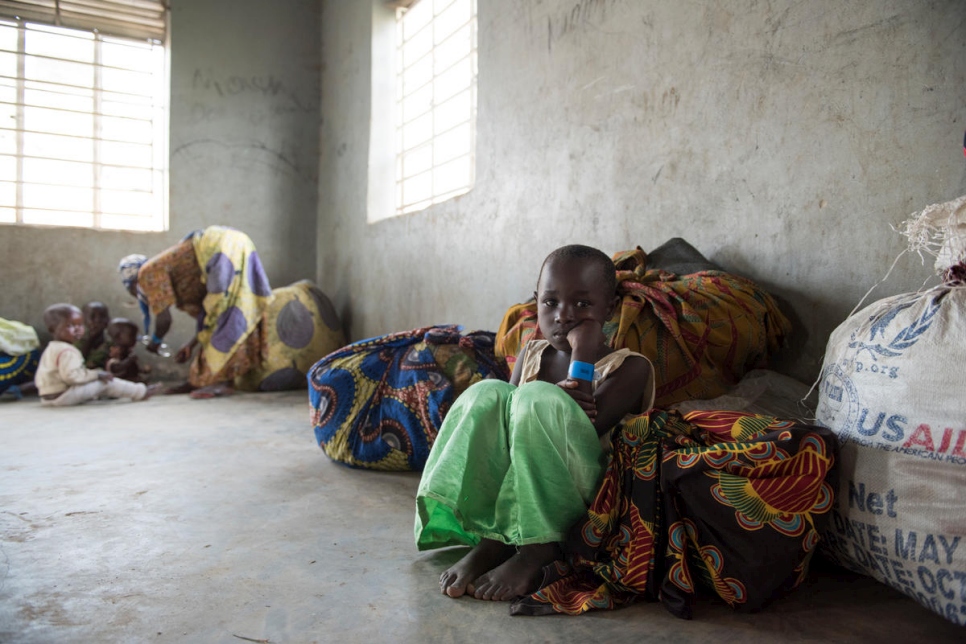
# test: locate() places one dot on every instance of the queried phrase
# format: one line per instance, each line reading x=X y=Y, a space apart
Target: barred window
x=436 y=69
x=84 y=113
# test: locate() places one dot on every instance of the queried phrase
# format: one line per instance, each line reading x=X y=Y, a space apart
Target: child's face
x=568 y=294
x=124 y=337
x=96 y=319
x=70 y=328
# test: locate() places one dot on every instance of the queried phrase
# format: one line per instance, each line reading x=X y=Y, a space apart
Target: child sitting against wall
x=123 y=362
x=93 y=345
x=62 y=379
x=516 y=464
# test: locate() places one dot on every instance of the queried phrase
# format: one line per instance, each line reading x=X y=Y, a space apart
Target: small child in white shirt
x=62 y=379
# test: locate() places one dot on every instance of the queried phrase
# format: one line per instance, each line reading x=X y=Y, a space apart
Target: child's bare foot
x=28 y=389
x=455 y=580
x=517 y=576
x=183 y=388
x=152 y=389
x=216 y=390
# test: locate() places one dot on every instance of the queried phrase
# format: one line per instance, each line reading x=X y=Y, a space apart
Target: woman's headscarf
x=128 y=268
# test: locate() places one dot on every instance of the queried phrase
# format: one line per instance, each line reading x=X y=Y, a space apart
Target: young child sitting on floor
x=93 y=344
x=61 y=376
x=516 y=464
x=123 y=362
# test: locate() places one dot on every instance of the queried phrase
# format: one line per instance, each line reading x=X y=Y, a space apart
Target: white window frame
x=430 y=170
x=105 y=23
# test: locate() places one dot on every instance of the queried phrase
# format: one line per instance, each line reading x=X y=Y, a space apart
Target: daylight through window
x=83 y=122
x=436 y=102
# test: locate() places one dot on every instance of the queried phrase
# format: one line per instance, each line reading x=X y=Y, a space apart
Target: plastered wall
x=780 y=138
x=243 y=152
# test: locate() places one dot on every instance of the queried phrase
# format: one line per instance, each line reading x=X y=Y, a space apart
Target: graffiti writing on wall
x=581 y=15
x=234 y=85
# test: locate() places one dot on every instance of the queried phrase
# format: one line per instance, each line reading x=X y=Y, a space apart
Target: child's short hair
x=90 y=306
x=579 y=252
x=56 y=313
x=116 y=324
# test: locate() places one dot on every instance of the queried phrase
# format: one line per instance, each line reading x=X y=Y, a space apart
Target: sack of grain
x=892 y=389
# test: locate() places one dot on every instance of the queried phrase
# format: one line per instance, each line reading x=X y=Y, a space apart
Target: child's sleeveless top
x=603 y=368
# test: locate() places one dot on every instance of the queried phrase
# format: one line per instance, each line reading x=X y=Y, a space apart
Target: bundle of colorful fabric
x=725 y=502
x=379 y=403
x=300 y=328
x=19 y=355
x=702 y=331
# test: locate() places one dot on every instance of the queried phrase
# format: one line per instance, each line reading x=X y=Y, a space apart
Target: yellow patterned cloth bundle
x=301 y=327
x=702 y=331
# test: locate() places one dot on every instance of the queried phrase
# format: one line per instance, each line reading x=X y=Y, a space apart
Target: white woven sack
x=892 y=389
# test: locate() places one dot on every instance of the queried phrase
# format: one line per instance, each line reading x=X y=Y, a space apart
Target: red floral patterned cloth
x=727 y=503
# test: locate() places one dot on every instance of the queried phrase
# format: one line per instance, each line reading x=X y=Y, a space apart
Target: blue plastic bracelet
x=155 y=339
x=581 y=371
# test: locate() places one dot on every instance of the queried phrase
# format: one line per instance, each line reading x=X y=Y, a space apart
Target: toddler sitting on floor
x=123 y=362
x=62 y=379
x=93 y=343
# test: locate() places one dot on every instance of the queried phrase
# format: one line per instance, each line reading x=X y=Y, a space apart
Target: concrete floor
x=175 y=520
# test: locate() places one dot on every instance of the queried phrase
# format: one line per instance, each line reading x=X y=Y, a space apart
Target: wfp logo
x=880 y=345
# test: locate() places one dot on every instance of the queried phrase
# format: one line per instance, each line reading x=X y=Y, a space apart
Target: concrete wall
x=780 y=138
x=244 y=152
